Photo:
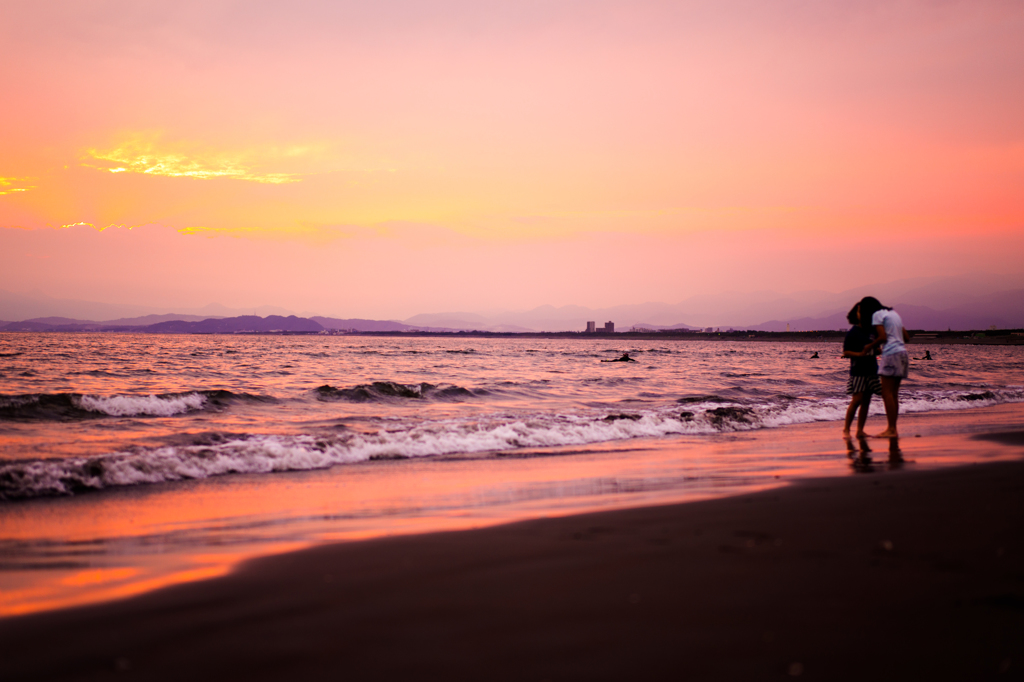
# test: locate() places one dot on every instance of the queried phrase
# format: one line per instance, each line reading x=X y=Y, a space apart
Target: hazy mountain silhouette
x=21 y=307
x=963 y=302
x=219 y=325
x=231 y=325
x=361 y=325
x=121 y=322
x=1004 y=310
x=460 y=321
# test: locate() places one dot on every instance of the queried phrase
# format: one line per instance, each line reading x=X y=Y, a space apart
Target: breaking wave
x=72 y=406
x=234 y=453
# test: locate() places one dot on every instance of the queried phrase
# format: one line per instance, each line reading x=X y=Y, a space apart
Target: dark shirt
x=855 y=341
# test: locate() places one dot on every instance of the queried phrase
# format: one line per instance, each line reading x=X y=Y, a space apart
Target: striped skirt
x=864 y=384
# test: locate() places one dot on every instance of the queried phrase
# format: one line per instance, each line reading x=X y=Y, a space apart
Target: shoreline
x=913 y=573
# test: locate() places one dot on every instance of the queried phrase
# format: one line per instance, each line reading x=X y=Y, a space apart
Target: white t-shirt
x=893 y=325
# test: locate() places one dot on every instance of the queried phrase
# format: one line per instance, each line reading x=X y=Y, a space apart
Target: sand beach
x=910 y=569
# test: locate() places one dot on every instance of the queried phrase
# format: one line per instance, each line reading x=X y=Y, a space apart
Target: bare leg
x=891 y=400
x=855 y=400
x=862 y=418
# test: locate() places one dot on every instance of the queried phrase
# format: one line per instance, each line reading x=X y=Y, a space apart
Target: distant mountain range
x=358 y=325
x=915 y=317
x=967 y=302
x=761 y=311
x=213 y=325
x=1003 y=310
x=14 y=306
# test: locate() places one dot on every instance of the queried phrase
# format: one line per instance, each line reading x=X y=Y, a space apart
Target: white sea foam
x=501 y=432
x=150 y=405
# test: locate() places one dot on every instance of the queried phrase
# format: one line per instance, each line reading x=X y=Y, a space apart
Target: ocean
x=132 y=461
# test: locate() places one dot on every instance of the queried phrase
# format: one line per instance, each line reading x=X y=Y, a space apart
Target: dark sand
x=914 y=575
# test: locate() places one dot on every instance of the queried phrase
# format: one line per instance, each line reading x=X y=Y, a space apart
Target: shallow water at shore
x=89 y=412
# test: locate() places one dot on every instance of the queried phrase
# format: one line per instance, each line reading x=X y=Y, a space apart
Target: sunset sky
x=381 y=159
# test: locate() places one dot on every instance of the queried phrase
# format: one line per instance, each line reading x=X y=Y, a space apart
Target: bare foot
x=846 y=432
x=888 y=434
x=861 y=434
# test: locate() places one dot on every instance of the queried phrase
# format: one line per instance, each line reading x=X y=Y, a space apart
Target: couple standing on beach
x=875 y=325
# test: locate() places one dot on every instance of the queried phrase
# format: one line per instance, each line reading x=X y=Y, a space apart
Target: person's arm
x=906 y=336
x=879 y=340
x=854 y=354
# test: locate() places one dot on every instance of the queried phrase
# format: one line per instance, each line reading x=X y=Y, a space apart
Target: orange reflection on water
x=90 y=587
x=99 y=576
x=113 y=544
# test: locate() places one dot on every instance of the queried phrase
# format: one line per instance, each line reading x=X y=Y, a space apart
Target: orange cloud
x=150 y=155
x=12 y=185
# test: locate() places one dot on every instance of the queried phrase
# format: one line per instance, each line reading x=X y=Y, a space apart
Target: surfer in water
x=625 y=358
x=815 y=356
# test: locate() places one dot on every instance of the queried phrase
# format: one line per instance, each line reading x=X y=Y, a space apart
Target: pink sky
x=388 y=158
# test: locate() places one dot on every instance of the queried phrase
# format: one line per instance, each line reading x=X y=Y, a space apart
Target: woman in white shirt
x=893 y=363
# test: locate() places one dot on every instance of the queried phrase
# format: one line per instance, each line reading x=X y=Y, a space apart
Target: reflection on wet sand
x=859 y=451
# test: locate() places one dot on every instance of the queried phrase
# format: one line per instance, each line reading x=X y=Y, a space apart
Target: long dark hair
x=869 y=305
x=851 y=316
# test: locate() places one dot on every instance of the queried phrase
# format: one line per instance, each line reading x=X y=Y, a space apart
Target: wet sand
x=914 y=574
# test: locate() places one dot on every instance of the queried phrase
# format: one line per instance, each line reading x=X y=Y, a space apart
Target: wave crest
x=74 y=406
x=388 y=391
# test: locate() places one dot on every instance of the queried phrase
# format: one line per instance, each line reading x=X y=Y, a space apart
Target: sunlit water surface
x=131 y=461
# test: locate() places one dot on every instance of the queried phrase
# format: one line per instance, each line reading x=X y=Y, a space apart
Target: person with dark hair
x=863 y=381
x=893 y=363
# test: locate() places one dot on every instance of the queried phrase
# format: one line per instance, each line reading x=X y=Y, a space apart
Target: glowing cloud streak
x=147 y=155
x=12 y=185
